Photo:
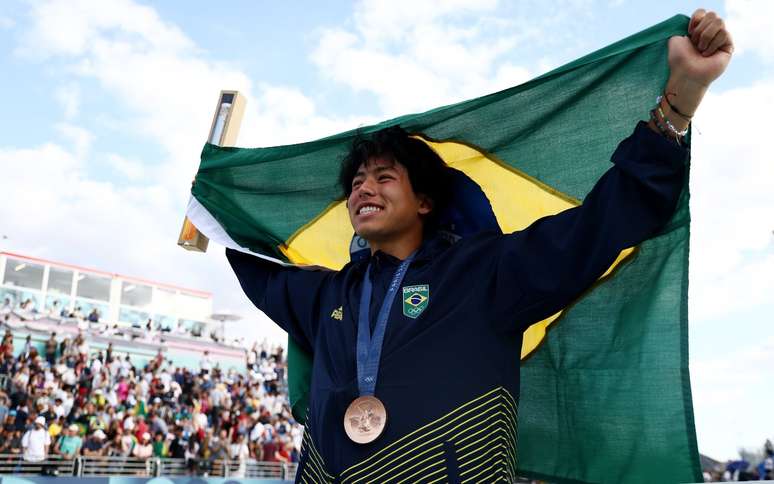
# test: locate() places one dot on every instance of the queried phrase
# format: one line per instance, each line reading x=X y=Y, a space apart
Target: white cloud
x=732 y=249
x=131 y=170
x=732 y=397
x=72 y=27
x=381 y=20
x=69 y=97
x=80 y=138
x=281 y=115
x=418 y=55
x=750 y=23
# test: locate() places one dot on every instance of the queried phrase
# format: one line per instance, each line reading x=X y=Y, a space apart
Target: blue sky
x=107 y=103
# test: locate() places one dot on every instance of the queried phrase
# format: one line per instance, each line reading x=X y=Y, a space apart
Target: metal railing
x=172 y=467
x=53 y=465
x=131 y=466
x=115 y=466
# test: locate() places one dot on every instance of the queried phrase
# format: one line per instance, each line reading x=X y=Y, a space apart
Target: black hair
x=428 y=173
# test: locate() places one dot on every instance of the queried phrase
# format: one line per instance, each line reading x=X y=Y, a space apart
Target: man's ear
x=425 y=204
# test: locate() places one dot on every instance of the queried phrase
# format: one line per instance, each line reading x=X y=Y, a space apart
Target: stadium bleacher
x=74 y=402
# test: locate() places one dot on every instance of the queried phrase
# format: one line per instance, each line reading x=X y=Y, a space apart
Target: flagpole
x=224 y=130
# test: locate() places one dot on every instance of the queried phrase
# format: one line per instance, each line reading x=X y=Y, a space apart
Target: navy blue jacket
x=450 y=378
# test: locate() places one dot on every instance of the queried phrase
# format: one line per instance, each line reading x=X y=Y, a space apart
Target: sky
x=106 y=105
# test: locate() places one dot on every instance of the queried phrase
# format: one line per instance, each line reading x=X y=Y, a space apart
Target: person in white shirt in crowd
x=240 y=452
x=252 y=357
x=7 y=306
x=96 y=365
x=143 y=449
x=36 y=442
x=205 y=365
x=69 y=378
x=58 y=407
x=22 y=378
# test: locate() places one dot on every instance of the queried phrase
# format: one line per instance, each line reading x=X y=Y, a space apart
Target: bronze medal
x=365 y=419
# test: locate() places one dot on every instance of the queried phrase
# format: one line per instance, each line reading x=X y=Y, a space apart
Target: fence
x=129 y=466
x=14 y=464
x=115 y=466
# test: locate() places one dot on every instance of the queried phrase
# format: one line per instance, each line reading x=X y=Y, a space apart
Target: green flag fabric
x=605 y=392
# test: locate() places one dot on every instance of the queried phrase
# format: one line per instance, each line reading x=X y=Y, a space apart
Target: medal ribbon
x=369 y=346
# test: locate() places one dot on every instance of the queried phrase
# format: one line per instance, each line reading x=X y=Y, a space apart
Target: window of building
x=60 y=281
x=57 y=306
x=21 y=300
x=94 y=287
x=136 y=318
x=23 y=274
x=84 y=308
x=137 y=295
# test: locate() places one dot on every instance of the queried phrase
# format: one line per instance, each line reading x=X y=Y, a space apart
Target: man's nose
x=366 y=188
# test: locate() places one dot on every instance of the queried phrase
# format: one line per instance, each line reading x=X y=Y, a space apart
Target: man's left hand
x=704 y=54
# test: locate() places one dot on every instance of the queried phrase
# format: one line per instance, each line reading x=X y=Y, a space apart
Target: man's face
x=383 y=205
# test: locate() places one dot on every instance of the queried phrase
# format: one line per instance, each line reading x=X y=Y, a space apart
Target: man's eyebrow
x=362 y=171
x=382 y=168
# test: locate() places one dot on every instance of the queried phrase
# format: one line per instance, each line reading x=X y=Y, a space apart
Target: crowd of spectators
x=93 y=320
x=71 y=401
x=755 y=465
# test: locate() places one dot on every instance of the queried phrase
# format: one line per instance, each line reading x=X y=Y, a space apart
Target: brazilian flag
x=605 y=392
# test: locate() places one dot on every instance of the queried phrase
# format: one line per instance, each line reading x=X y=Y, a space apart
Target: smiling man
x=395 y=394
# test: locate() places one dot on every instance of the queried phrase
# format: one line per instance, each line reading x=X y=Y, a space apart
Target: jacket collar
x=429 y=250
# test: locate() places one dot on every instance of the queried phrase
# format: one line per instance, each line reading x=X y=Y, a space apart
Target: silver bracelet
x=669 y=125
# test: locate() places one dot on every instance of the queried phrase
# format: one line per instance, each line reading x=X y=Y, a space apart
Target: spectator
x=51 y=346
x=14 y=442
x=58 y=408
x=69 y=444
x=159 y=445
x=94 y=316
x=240 y=452
x=7 y=306
x=36 y=441
x=283 y=452
x=21 y=415
x=205 y=365
x=178 y=446
x=27 y=348
x=143 y=449
x=191 y=456
x=270 y=450
x=208 y=413
x=56 y=427
x=219 y=446
x=127 y=444
x=4 y=408
x=94 y=445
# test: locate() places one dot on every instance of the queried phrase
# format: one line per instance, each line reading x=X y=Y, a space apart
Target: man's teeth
x=368 y=209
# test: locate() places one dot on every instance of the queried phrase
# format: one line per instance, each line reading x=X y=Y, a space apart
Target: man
x=69 y=444
x=392 y=395
x=95 y=444
x=205 y=364
x=178 y=444
x=36 y=441
x=51 y=346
